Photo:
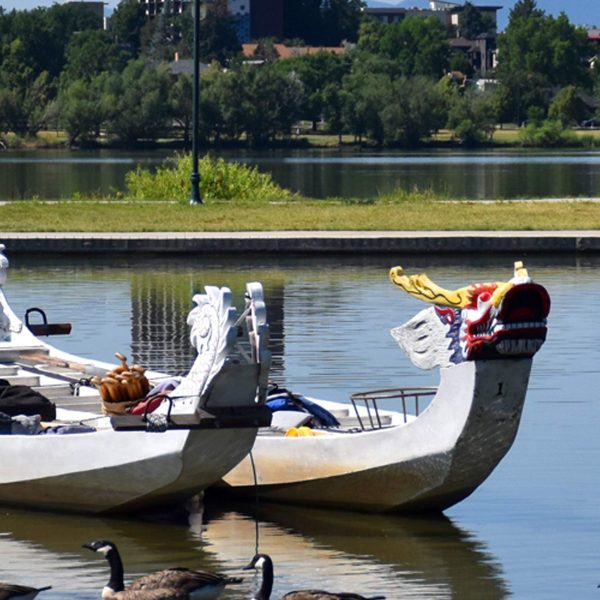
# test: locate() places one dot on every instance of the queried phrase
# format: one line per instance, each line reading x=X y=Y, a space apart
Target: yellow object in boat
x=300 y=432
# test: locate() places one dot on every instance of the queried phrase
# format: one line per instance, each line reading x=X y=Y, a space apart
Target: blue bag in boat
x=282 y=399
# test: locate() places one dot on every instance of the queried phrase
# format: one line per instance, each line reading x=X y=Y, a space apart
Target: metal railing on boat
x=370 y=399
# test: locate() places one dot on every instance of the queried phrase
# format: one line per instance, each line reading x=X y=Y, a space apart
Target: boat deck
x=60 y=385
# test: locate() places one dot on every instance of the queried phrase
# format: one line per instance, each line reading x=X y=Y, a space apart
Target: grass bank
x=504 y=137
x=407 y=214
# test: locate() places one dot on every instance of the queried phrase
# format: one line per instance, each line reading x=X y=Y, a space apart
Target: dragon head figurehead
x=480 y=321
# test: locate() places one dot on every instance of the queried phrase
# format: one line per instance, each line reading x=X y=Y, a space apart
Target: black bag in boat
x=22 y=400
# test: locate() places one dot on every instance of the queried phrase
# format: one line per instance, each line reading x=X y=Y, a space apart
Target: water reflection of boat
x=396 y=556
x=45 y=548
x=399 y=557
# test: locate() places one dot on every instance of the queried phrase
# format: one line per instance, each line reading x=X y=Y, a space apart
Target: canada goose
x=177 y=583
x=264 y=562
x=22 y=592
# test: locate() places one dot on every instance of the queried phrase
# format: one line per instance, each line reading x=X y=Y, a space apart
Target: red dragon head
x=480 y=321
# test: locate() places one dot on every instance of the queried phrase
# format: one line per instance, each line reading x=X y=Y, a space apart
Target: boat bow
x=482 y=339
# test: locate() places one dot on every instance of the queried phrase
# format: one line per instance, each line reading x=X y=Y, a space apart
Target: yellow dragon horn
x=421 y=287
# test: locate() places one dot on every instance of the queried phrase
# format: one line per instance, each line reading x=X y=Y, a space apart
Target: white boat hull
x=427 y=464
x=110 y=471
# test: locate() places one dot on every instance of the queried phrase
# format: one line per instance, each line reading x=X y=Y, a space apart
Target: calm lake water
x=530 y=531
x=324 y=173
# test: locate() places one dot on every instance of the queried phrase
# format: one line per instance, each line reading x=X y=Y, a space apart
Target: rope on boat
x=256 y=501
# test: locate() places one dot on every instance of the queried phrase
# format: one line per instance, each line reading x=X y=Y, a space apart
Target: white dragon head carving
x=480 y=321
x=212 y=333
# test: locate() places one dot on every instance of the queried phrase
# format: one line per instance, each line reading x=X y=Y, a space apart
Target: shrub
x=549 y=134
x=219 y=180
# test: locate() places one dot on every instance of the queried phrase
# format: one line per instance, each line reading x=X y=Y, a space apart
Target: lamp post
x=195 y=197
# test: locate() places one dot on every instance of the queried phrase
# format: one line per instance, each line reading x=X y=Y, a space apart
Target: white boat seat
x=352 y=422
x=23 y=379
x=285 y=419
x=9 y=353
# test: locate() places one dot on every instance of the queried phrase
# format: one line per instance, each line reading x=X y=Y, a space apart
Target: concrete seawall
x=426 y=242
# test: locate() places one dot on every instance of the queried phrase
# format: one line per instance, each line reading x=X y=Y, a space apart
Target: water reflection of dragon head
x=480 y=321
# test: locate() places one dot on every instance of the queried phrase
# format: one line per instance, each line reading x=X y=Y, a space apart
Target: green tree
x=23 y=110
x=81 y=111
x=539 y=53
x=473 y=22
x=340 y=21
x=261 y=103
x=567 y=106
x=366 y=94
x=419 y=45
x=333 y=109
x=90 y=53
x=316 y=71
x=415 y=111
x=137 y=101
x=180 y=101
x=46 y=32
x=460 y=63
x=471 y=117
x=370 y=33
x=265 y=50
x=127 y=22
x=224 y=95
x=525 y=9
x=25 y=94
x=218 y=38
x=272 y=104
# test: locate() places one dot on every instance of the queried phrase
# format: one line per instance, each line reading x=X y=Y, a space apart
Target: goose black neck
x=116 y=582
x=264 y=593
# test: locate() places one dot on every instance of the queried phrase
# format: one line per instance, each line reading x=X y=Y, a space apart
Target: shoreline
x=307 y=242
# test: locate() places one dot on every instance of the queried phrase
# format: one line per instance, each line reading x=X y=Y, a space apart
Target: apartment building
x=157 y=7
x=447 y=12
x=253 y=18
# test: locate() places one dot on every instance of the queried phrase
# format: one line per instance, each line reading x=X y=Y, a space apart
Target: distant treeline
x=395 y=85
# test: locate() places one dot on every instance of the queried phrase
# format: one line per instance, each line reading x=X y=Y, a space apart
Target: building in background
x=157 y=7
x=240 y=10
x=447 y=12
x=281 y=51
x=96 y=7
x=266 y=19
x=254 y=19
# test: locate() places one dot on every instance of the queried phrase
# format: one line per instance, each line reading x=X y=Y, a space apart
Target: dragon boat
x=70 y=437
x=440 y=443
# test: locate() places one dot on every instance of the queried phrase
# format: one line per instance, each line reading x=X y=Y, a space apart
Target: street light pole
x=195 y=197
